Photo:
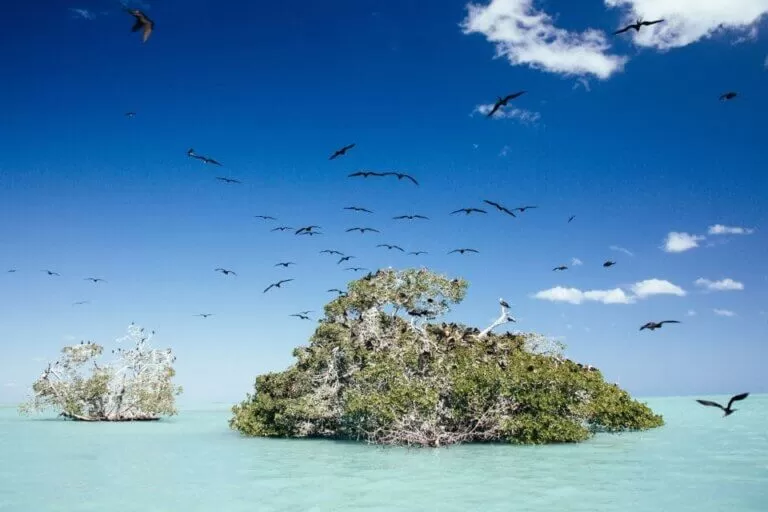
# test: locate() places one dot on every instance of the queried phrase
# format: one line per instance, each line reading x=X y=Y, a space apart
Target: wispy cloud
x=575 y=262
x=724 y=312
x=526 y=36
x=518 y=114
x=82 y=13
x=722 y=285
x=719 y=229
x=651 y=287
x=505 y=150
x=691 y=313
x=11 y=385
x=621 y=249
x=688 y=21
x=582 y=82
x=640 y=290
x=681 y=242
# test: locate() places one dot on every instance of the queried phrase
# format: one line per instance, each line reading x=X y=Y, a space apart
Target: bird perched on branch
x=143 y=23
x=727 y=411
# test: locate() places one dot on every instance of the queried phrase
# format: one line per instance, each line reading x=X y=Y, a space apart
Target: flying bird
x=462 y=251
x=301 y=315
x=341 y=152
x=468 y=210
x=390 y=247
x=657 y=325
x=143 y=23
x=285 y=264
x=80 y=303
x=282 y=228
x=357 y=209
x=401 y=175
x=276 y=285
x=608 y=264
x=310 y=233
x=11 y=271
x=365 y=174
x=356 y=269
x=51 y=273
x=502 y=102
x=307 y=229
x=410 y=217
x=331 y=252
x=267 y=217
x=500 y=207
x=637 y=25
x=726 y=410
x=363 y=230
x=224 y=271
x=191 y=153
x=204 y=315
x=523 y=208
x=336 y=290
x=571 y=218
x=561 y=267
x=228 y=180
x=417 y=253
x=343 y=259
x=728 y=96
x=94 y=279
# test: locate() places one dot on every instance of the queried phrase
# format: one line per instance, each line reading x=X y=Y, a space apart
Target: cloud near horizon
x=722 y=285
x=640 y=290
x=719 y=229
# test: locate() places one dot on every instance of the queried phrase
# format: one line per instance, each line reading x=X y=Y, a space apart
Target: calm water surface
x=698 y=462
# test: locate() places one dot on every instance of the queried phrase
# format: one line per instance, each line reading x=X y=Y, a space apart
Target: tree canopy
x=377 y=369
x=135 y=387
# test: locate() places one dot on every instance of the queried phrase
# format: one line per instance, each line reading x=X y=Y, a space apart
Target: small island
x=378 y=369
x=135 y=387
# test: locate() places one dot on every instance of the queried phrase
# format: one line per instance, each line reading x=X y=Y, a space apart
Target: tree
x=135 y=387
x=377 y=369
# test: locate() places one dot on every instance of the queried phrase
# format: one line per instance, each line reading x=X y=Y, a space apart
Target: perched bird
x=502 y=102
x=331 y=252
x=728 y=96
x=51 y=273
x=307 y=229
x=390 y=247
x=204 y=315
x=143 y=23
x=357 y=209
x=282 y=228
x=341 y=152
x=561 y=267
x=523 y=208
x=609 y=264
x=417 y=253
x=94 y=279
x=503 y=303
x=356 y=269
x=228 y=180
x=365 y=174
x=401 y=175
x=657 y=325
x=207 y=160
x=468 y=211
x=726 y=410
x=343 y=259
x=285 y=264
x=571 y=218
x=267 y=217
x=363 y=230
x=500 y=207
x=637 y=26
x=276 y=285
x=410 y=217
x=224 y=271
x=302 y=316
x=462 y=251
x=130 y=115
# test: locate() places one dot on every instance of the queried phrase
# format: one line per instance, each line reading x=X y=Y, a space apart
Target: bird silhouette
x=500 y=207
x=285 y=264
x=331 y=252
x=462 y=251
x=357 y=209
x=142 y=23
x=336 y=290
x=468 y=211
x=343 y=259
x=228 y=180
x=277 y=284
x=571 y=218
x=301 y=316
x=356 y=269
x=224 y=271
x=502 y=102
x=410 y=217
x=390 y=247
x=727 y=411
x=522 y=209
x=204 y=315
x=341 y=152
x=80 y=303
x=639 y=23
x=50 y=273
x=657 y=325
x=401 y=176
x=191 y=153
x=11 y=271
x=267 y=217
x=282 y=228
x=94 y=280
x=561 y=267
x=728 y=96
x=363 y=230
x=307 y=229
x=310 y=233
x=608 y=264
x=365 y=174
x=417 y=253
x=503 y=303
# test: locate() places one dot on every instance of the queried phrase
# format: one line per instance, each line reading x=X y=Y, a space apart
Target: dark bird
x=307 y=229
x=143 y=23
x=302 y=316
x=94 y=279
x=500 y=207
x=357 y=209
x=390 y=247
x=657 y=325
x=130 y=115
x=523 y=208
x=561 y=267
x=401 y=175
x=421 y=313
x=356 y=269
x=80 y=303
x=228 y=180
x=462 y=251
x=571 y=218
x=365 y=174
x=224 y=271
x=336 y=290
x=637 y=26
x=502 y=102
x=282 y=228
x=726 y=410
x=266 y=217
x=503 y=303
x=417 y=253
x=51 y=273
x=363 y=230
x=310 y=233
x=11 y=271
x=331 y=252
x=191 y=153
x=204 y=315
x=728 y=96
x=276 y=285
x=468 y=210
x=410 y=217
x=343 y=259
x=609 y=264
x=285 y=264
x=341 y=152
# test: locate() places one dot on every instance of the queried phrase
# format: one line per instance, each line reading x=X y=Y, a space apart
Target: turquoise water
x=699 y=462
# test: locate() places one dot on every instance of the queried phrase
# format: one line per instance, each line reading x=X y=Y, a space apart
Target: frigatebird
x=285 y=264
x=51 y=273
x=282 y=228
x=94 y=279
x=502 y=102
x=657 y=325
x=401 y=175
x=336 y=290
x=417 y=253
x=500 y=207
x=224 y=271
x=561 y=267
x=365 y=174
x=608 y=264
x=410 y=217
x=331 y=252
x=302 y=316
x=571 y=218
x=276 y=285
x=341 y=152
x=637 y=26
x=462 y=251
x=357 y=209
x=266 y=217
x=343 y=259
x=307 y=229
x=728 y=96
x=363 y=230
x=191 y=153
x=523 y=208
x=130 y=115
x=468 y=210
x=228 y=180
x=390 y=247
x=80 y=303
x=356 y=269
x=726 y=410
x=204 y=315
x=143 y=23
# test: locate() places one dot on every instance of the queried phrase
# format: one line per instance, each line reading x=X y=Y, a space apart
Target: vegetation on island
x=371 y=374
x=137 y=386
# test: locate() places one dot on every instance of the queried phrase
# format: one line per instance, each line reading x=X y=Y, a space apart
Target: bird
x=417 y=253
x=228 y=180
x=302 y=316
x=307 y=229
x=571 y=218
x=341 y=152
x=11 y=271
x=561 y=267
x=336 y=290
x=356 y=269
x=130 y=115
x=363 y=230
x=657 y=325
x=267 y=217
x=390 y=247
x=358 y=209
x=502 y=102
x=637 y=26
x=204 y=315
x=51 y=273
x=503 y=303
x=609 y=264
x=365 y=174
x=343 y=259
x=94 y=279
x=728 y=96
x=410 y=217
x=143 y=23
x=80 y=303
x=224 y=271
x=276 y=285
x=282 y=228
x=285 y=264
x=468 y=210
x=310 y=233
x=191 y=153
x=462 y=251
x=401 y=175
x=331 y=252
x=500 y=207
x=726 y=410
x=523 y=208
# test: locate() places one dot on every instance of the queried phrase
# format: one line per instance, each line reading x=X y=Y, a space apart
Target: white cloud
x=526 y=36
x=680 y=242
x=688 y=21
x=691 y=313
x=722 y=285
x=615 y=296
x=723 y=312
x=520 y=114
x=719 y=229
x=82 y=13
x=651 y=287
x=621 y=249
x=575 y=262
x=10 y=385
x=505 y=150
x=582 y=82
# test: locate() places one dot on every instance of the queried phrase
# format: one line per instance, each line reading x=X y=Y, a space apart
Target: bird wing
x=510 y=212
x=710 y=404
x=479 y=210
x=453 y=251
x=268 y=288
x=148 y=26
x=514 y=95
x=137 y=26
x=286 y=281
x=496 y=107
x=651 y=22
x=348 y=147
x=736 y=398
x=398 y=248
x=669 y=322
x=459 y=211
x=374 y=230
x=497 y=205
x=410 y=178
x=623 y=30
x=471 y=250
x=355 y=174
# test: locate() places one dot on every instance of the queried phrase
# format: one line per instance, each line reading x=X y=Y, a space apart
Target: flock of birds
x=144 y=24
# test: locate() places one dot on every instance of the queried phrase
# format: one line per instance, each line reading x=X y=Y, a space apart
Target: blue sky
x=624 y=132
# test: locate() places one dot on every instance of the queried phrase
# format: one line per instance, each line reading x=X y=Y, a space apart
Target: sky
x=625 y=132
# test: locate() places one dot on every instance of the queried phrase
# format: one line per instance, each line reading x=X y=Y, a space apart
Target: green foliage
x=370 y=374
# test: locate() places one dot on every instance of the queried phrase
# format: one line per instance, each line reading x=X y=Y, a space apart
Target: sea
x=699 y=462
